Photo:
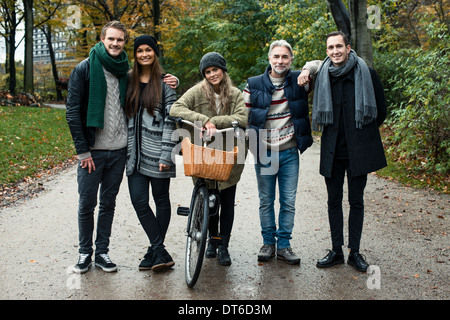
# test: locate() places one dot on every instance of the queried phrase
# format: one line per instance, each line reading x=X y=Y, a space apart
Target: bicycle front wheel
x=197 y=234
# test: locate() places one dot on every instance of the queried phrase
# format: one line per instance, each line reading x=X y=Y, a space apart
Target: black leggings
x=356 y=187
x=226 y=216
x=155 y=226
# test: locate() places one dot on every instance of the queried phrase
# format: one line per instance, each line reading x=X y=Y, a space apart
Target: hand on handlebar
x=210 y=129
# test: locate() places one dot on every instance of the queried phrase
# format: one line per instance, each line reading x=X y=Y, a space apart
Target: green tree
x=304 y=24
x=412 y=55
x=11 y=16
x=237 y=29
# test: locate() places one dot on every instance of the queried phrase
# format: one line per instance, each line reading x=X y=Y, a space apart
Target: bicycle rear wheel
x=196 y=235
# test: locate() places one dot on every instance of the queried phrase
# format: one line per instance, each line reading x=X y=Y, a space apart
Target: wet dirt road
x=405 y=240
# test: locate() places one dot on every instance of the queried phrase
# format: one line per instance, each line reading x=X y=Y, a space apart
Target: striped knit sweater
x=150 y=139
x=279 y=125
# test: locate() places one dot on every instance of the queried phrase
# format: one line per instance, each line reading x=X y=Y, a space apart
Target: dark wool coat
x=363 y=147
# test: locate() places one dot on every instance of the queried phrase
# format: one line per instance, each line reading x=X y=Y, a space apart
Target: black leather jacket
x=76 y=108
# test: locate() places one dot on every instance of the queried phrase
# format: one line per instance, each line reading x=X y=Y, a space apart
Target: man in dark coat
x=348 y=107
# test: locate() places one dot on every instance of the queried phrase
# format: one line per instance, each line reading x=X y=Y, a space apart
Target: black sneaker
x=147 y=262
x=83 y=264
x=103 y=261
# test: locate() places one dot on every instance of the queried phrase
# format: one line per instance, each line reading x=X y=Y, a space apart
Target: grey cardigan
x=149 y=139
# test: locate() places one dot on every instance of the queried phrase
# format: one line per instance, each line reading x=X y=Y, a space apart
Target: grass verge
x=32 y=140
x=401 y=173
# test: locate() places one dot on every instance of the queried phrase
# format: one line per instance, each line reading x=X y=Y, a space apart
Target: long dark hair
x=152 y=92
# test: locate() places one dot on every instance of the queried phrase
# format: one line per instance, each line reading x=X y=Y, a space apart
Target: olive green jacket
x=193 y=106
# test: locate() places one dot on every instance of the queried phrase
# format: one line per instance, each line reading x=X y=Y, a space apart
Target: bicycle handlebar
x=234 y=125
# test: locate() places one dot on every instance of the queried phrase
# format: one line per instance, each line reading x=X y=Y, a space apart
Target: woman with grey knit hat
x=216 y=103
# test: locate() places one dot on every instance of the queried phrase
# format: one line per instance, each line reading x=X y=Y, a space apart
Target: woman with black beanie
x=149 y=161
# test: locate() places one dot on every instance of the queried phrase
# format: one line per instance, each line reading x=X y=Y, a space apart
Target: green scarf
x=98 y=57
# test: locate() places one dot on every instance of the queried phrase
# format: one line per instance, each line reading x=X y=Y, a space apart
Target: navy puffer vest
x=261 y=90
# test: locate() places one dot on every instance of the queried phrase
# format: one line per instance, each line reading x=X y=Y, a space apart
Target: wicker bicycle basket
x=207 y=163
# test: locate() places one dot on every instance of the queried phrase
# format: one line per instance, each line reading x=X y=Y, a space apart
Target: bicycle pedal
x=183 y=211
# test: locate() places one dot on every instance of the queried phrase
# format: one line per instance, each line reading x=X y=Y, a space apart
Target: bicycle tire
x=196 y=235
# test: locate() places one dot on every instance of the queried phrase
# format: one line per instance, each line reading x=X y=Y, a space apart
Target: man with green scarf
x=348 y=107
x=96 y=93
x=95 y=103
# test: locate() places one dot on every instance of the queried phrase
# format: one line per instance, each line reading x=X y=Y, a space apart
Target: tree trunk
x=12 y=54
x=6 y=53
x=47 y=29
x=28 y=71
x=341 y=16
x=353 y=22
x=360 y=38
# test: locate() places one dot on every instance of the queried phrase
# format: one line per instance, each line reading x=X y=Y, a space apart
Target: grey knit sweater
x=149 y=139
x=113 y=135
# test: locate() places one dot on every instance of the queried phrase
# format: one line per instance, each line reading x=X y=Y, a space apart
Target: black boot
x=161 y=259
x=147 y=262
x=211 y=250
x=222 y=251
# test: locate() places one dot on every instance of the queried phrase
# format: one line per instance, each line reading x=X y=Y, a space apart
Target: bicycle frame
x=203 y=205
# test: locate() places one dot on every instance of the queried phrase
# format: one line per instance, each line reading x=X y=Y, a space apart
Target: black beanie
x=212 y=59
x=146 y=39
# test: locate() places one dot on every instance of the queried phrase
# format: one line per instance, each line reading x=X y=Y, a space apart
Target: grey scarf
x=365 y=103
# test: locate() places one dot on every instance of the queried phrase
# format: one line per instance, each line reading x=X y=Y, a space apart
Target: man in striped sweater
x=279 y=118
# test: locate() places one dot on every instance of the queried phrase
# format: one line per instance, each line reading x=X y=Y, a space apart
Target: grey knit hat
x=212 y=59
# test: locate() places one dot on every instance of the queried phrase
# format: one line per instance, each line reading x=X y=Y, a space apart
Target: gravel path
x=405 y=240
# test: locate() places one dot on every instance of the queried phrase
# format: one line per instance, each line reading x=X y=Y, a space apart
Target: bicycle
x=204 y=202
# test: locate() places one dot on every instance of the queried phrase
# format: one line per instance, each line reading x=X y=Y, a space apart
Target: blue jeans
x=284 y=167
x=108 y=174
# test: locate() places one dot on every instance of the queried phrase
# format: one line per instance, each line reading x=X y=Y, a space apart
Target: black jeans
x=108 y=174
x=155 y=226
x=225 y=216
x=356 y=187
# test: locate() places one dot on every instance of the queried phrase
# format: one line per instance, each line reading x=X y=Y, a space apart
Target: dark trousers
x=108 y=174
x=155 y=226
x=226 y=214
x=356 y=187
